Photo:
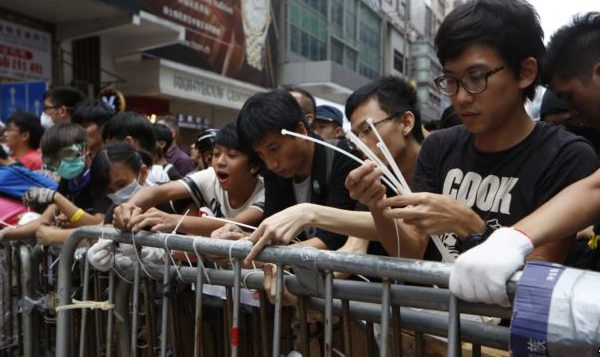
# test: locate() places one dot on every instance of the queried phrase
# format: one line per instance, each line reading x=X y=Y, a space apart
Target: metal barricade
x=390 y=303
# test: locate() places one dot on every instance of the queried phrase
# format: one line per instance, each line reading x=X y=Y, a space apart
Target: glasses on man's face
x=365 y=129
x=473 y=82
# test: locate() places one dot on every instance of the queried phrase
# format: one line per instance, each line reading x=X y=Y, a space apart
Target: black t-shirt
x=80 y=193
x=501 y=187
x=279 y=191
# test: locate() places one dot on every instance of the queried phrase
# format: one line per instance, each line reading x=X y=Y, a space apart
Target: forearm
x=154 y=195
x=398 y=238
x=351 y=223
x=199 y=226
x=23 y=232
x=555 y=251
x=571 y=210
x=71 y=211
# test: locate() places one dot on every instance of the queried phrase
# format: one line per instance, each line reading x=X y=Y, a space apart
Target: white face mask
x=125 y=193
x=46 y=120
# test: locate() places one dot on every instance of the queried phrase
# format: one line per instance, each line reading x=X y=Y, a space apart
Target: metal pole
x=328 y=312
x=85 y=294
x=385 y=318
x=198 y=345
x=134 y=312
x=278 y=305
x=454 y=347
x=27 y=292
x=109 y=318
x=165 y=304
x=235 y=323
x=64 y=283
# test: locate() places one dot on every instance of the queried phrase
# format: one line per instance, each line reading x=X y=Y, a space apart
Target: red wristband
x=525 y=234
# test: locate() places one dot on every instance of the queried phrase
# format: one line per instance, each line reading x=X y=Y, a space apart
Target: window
x=399 y=61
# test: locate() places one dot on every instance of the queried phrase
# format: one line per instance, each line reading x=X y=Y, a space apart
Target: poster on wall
x=25 y=53
x=232 y=38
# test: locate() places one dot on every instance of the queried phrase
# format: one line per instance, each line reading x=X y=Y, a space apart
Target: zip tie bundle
x=104 y=305
x=341 y=151
x=398 y=184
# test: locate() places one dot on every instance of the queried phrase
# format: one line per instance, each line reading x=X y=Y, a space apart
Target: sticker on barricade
x=246 y=295
x=555 y=312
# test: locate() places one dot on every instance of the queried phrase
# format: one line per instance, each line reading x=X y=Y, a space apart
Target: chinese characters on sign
x=25 y=53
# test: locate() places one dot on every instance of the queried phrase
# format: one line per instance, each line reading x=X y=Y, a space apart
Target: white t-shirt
x=157 y=174
x=206 y=191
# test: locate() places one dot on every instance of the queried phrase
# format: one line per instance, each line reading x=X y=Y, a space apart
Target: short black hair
x=227 y=136
x=573 y=49
x=305 y=93
x=136 y=125
x=393 y=94
x=266 y=112
x=511 y=27
x=163 y=133
x=65 y=95
x=92 y=111
x=61 y=135
x=111 y=153
x=28 y=123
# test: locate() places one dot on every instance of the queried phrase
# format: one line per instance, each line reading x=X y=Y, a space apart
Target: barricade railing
x=313 y=282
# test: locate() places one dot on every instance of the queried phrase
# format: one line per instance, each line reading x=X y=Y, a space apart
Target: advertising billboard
x=232 y=38
x=25 y=53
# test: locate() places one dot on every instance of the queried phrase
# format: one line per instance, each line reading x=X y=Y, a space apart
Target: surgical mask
x=46 y=120
x=125 y=193
x=70 y=168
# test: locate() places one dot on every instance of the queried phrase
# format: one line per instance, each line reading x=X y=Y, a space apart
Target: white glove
x=152 y=255
x=100 y=255
x=38 y=195
x=480 y=274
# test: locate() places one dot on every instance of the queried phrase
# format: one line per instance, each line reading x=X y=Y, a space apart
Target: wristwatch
x=474 y=238
x=256 y=16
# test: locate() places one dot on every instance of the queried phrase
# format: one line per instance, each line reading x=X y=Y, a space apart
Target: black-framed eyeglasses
x=46 y=107
x=473 y=82
x=365 y=129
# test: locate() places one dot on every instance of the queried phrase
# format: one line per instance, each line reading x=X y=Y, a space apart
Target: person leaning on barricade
x=118 y=172
x=72 y=205
x=231 y=188
x=499 y=165
x=572 y=70
x=391 y=99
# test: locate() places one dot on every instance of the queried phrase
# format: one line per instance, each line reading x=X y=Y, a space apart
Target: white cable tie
x=230 y=221
x=388 y=178
x=104 y=305
x=137 y=255
x=201 y=261
x=168 y=251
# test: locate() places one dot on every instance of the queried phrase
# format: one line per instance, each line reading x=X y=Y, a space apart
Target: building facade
x=201 y=59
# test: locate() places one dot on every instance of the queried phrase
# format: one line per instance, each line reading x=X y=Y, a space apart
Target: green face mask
x=69 y=168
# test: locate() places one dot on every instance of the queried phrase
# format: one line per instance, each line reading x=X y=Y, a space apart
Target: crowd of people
x=488 y=193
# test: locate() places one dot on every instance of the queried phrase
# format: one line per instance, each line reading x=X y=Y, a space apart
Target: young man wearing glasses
x=58 y=105
x=572 y=70
x=500 y=164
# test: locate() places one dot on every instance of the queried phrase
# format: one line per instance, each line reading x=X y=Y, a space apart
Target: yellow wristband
x=77 y=216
